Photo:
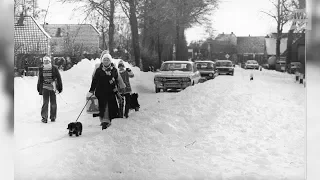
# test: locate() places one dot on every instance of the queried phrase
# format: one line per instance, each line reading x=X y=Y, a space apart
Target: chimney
x=21 y=19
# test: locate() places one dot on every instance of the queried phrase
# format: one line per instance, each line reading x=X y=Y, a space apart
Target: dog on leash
x=75 y=128
x=134 y=104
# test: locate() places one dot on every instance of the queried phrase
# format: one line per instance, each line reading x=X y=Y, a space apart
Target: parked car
x=265 y=66
x=176 y=75
x=251 y=64
x=207 y=69
x=224 y=67
x=281 y=66
x=293 y=67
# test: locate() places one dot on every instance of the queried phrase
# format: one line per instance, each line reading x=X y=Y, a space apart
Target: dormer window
x=58 y=34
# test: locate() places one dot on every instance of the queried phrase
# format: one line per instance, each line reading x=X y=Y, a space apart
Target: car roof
x=204 y=61
x=223 y=61
x=190 y=62
x=251 y=60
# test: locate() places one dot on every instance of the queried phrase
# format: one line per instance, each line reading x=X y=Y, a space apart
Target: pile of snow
x=226 y=128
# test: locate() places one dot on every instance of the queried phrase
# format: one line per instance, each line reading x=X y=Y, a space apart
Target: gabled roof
x=30 y=22
x=73 y=29
x=224 y=36
x=271 y=45
x=30 y=37
x=250 y=44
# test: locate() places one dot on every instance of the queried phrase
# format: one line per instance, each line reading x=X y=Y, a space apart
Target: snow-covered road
x=226 y=128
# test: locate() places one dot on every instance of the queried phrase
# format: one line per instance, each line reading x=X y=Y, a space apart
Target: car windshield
x=205 y=66
x=224 y=63
x=176 y=67
x=252 y=62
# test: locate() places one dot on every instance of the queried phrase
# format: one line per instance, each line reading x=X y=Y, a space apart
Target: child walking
x=126 y=74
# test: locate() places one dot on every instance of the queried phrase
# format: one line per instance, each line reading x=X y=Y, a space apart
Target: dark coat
x=106 y=91
x=55 y=76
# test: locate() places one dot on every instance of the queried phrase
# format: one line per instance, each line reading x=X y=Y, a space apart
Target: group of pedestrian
x=110 y=85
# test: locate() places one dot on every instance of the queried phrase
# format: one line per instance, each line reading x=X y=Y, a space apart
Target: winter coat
x=55 y=76
x=126 y=75
x=105 y=88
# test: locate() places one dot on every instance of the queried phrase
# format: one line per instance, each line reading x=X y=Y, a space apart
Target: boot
x=105 y=125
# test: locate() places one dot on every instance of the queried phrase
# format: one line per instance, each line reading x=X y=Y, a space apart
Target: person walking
x=104 y=87
x=49 y=83
x=126 y=74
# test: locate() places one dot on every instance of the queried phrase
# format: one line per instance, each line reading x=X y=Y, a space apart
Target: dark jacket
x=55 y=76
x=106 y=91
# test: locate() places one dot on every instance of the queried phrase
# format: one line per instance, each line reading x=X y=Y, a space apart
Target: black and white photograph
x=162 y=89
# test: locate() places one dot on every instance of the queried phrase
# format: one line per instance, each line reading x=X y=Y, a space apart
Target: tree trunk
x=289 y=47
x=104 y=46
x=111 y=27
x=278 y=41
x=177 y=42
x=135 y=33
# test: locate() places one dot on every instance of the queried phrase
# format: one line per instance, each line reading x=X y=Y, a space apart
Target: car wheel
x=157 y=89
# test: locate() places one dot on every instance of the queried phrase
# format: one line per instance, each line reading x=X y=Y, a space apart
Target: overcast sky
x=242 y=17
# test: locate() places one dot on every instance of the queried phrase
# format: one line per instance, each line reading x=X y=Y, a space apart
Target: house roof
x=73 y=29
x=250 y=44
x=30 y=37
x=271 y=45
x=225 y=36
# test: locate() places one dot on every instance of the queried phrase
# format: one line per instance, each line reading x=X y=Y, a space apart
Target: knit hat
x=120 y=64
x=47 y=58
x=103 y=53
x=107 y=56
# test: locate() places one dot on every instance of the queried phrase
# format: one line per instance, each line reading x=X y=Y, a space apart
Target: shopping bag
x=92 y=105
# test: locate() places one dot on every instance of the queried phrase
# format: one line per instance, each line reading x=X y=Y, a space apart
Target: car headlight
x=210 y=74
x=159 y=79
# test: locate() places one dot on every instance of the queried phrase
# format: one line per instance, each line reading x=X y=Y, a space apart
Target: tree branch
x=273 y=16
x=125 y=8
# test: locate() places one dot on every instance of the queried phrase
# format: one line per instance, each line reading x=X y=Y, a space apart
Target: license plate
x=172 y=85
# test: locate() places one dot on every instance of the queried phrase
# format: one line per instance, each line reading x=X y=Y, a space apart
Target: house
x=251 y=48
x=271 y=43
x=73 y=39
x=298 y=52
x=222 y=45
x=31 y=42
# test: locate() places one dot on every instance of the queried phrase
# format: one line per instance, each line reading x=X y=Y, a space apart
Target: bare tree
x=106 y=8
x=281 y=17
x=129 y=8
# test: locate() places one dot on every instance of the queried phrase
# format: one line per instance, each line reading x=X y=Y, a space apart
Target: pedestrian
x=104 y=86
x=49 y=83
x=126 y=74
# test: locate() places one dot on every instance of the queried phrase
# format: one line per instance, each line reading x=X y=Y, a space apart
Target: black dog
x=75 y=128
x=134 y=104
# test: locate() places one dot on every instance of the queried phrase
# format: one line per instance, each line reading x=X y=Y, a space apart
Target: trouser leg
x=44 y=109
x=53 y=105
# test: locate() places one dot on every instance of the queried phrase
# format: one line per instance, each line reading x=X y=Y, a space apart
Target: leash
x=84 y=107
x=62 y=98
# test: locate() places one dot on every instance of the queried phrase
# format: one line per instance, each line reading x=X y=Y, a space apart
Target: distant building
x=251 y=48
x=73 y=39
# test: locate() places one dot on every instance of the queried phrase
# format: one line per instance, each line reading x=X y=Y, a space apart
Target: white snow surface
x=226 y=128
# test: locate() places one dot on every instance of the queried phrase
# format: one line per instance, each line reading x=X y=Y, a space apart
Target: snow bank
x=226 y=128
